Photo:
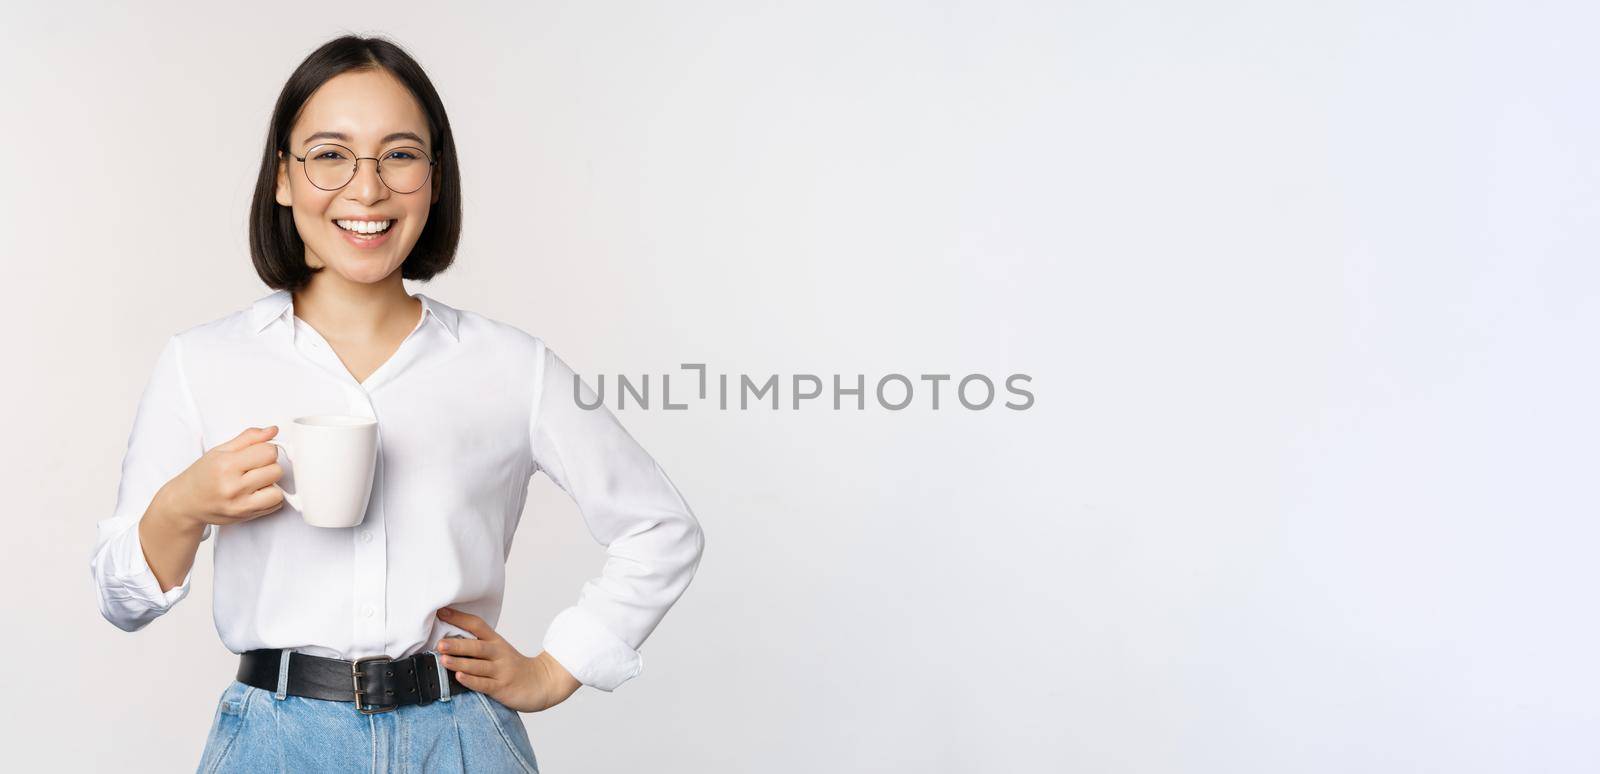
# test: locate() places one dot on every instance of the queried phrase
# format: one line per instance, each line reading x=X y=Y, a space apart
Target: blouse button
x=366 y=536
x=367 y=611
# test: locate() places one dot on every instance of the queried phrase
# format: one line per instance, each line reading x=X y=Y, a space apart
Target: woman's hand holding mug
x=232 y=482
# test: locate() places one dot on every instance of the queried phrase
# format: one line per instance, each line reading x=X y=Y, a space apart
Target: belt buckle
x=355 y=678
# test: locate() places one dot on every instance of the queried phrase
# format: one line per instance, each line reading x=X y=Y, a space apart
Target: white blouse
x=468 y=409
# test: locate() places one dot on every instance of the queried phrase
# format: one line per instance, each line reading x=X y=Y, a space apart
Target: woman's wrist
x=557 y=675
x=166 y=511
x=169 y=540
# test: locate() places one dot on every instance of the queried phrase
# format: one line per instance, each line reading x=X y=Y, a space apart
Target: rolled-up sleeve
x=653 y=541
x=166 y=439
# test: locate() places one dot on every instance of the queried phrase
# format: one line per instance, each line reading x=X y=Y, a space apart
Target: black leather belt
x=374 y=683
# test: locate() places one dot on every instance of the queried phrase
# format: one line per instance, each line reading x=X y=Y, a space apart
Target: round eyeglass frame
x=356 y=165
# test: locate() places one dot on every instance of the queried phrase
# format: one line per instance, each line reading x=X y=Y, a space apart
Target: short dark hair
x=275 y=246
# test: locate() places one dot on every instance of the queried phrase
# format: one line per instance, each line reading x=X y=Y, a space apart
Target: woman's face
x=365 y=107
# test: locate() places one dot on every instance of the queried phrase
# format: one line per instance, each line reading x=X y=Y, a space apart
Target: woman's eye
x=402 y=155
x=329 y=154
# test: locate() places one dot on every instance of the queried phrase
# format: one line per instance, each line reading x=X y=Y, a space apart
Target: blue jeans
x=256 y=730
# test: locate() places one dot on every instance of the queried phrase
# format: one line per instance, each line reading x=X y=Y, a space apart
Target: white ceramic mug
x=334 y=458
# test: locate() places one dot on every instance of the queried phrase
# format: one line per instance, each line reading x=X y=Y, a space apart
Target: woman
x=359 y=189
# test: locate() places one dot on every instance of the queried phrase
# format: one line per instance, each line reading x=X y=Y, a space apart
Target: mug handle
x=294 y=499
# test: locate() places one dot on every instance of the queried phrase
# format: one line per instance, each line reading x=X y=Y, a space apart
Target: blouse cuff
x=591 y=652
x=130 y=594
x=141 y=580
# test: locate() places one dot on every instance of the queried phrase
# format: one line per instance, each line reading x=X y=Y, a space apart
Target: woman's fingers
x=262 y=477
x=475 y=657
x=472 y=666
x=469 y=622
x=461 y=646
x=256 y=455
x=261 y=502
x=247 y=437
x=476 y=683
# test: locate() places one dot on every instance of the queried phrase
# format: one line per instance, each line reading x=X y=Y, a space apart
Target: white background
x=1307 y=291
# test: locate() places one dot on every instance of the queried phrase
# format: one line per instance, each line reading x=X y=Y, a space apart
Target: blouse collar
x=279 y=305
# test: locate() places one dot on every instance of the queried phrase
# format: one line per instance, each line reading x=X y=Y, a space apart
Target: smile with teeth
x=364 y=229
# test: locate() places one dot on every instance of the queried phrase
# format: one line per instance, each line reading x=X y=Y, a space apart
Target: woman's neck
x=355 y=310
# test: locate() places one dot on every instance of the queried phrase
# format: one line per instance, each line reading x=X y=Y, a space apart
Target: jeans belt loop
x=283 y=674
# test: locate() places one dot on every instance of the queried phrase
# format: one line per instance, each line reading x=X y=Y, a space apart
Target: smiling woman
x=340 y=631
x=358 y=137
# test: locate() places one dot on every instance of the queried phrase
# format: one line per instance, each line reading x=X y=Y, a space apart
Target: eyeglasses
x=331 y=167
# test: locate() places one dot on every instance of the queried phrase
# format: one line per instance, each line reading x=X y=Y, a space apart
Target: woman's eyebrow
x=342 y=137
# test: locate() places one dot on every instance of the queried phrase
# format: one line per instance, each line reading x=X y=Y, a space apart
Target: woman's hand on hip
x=490 y=665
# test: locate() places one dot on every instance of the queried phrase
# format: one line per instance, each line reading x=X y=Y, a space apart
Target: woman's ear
x=284 y=195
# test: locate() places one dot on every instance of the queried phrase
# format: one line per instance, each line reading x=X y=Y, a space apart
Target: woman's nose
x=367 y=186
